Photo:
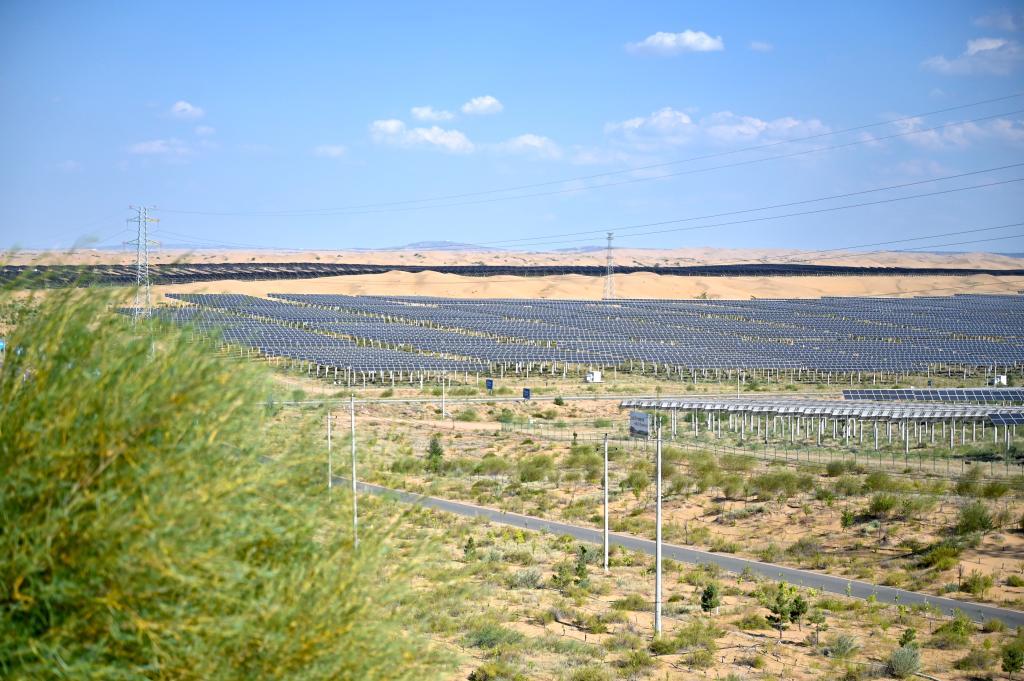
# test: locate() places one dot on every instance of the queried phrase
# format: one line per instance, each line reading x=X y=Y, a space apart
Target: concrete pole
x=355 y=500
x=330 y=457
x=657 y=548
x=606 y=503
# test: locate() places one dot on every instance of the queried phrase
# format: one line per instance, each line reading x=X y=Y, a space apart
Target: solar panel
x=827 y=336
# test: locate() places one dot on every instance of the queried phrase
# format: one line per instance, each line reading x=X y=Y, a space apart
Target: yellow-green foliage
x=151 y=528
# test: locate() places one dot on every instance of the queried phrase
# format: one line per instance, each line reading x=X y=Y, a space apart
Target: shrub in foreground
x=154 y=527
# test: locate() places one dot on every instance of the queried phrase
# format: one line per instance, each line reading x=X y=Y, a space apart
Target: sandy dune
x=685 y=256
x=641 y=285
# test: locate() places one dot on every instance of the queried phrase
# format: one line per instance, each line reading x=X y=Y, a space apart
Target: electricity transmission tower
x=609 y=281
x=142 y=242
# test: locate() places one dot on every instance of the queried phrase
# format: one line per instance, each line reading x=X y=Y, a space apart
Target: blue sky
x=264 y=124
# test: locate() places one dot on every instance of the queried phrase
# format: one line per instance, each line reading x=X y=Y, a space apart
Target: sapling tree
x=710 y=598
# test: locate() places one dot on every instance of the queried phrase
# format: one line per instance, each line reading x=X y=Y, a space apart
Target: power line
x=789 y=204
x=776 y=217
x=408 y=203
x=553 y=239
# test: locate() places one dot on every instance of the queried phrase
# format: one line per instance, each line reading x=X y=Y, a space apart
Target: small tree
x=1013 y=658
x=798 y=609
x=710 y=598
x=780 y=603
x=908 y=637
x=435 y=452
x=817 y=618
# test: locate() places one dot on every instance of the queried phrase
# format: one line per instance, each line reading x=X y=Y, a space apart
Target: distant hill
x=436 y=246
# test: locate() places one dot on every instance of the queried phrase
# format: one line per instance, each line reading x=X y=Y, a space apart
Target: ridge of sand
x=638 y=285
x=625 y=256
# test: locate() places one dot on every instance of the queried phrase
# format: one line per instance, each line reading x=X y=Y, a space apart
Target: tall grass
x=154 y=525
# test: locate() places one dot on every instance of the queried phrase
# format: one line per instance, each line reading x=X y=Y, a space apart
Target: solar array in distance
x=967 y=395
x=431 y=333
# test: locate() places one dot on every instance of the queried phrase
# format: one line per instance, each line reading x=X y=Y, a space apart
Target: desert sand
x=638 y=285
x=626 y=256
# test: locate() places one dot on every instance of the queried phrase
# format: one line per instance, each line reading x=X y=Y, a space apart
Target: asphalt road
x=804 y=578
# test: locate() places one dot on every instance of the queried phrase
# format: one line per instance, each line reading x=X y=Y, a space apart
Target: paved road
x=805 y=578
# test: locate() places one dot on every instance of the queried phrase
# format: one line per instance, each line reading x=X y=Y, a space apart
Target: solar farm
x=832 y=340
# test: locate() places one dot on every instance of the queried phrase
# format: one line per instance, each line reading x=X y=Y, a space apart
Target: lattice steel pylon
x=609 y=275
x=143 y=291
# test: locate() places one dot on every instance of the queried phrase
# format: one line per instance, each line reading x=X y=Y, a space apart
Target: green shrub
x=631 y=602
x=904 y=662
x=976 y=659
x=753 y=622
x=491 y=635
x=940 y=557
x=1015 y=580
x=883 y=504
x=590 y=673
x=780 y=483
x=974 y=517
x=496 y=670
x=525 y=579
x=467 y=415
x=636 y=661
x=535 y=468
x=956 y=633
x=843 y=647
x=977 y=583
x=158 y=523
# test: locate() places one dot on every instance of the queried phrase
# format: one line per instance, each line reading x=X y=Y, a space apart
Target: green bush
x=753 y=622
x=974 y=517
x=631 y=602
x=158 y=524
x=525 y=579
x=976 y=659
x=491 y=635
x=904 y=662
x=977 y=583
x=843 y=647
x=956 y=633
x=467 y=415
x=535 y=468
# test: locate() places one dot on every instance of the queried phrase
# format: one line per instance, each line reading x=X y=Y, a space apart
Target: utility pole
x=143 y=291
x=609 y=281
x=606 y=503
x=657 y=541
x=355 y=501
x=330 y=457
x=444 y=412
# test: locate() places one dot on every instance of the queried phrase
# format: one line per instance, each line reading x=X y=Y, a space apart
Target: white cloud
x=673 y=43
x=962 y=135
x=1003 y=21
x=543 y=147
x=669 y=127
x=330 y=150
x=393 y=131
x=482 y=105
x=998 y=56
x=69 y=166
x=205 y=130
x=761 y=46
x=429 y=113
x=182 y=109
x=388 y=127
x=160 y=147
